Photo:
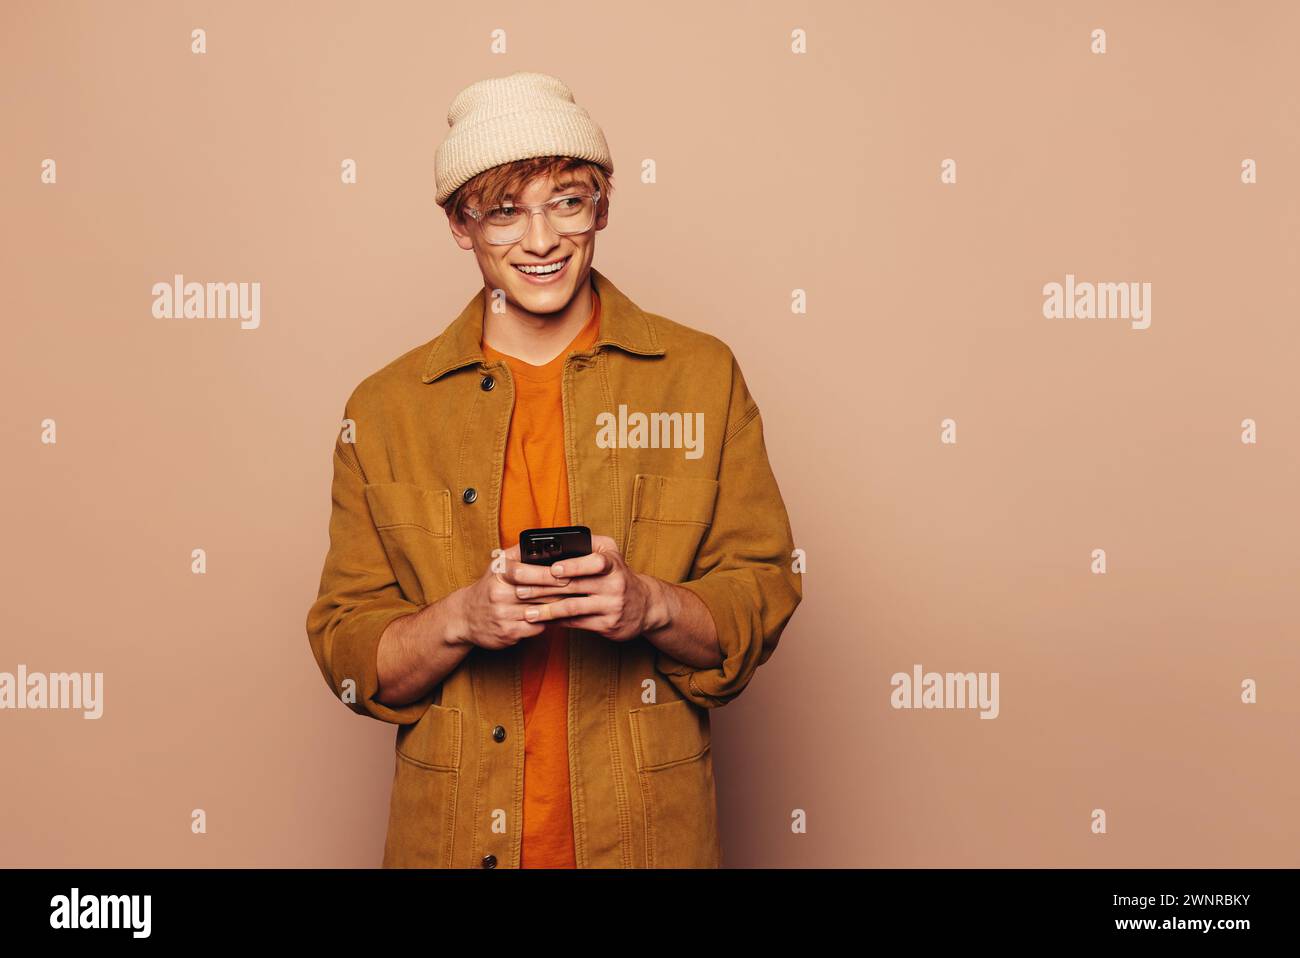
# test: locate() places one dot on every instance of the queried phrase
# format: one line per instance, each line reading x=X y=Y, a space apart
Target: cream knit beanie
x=514 y=117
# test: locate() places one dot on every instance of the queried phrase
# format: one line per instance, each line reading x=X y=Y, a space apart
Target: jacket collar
x=622 y=324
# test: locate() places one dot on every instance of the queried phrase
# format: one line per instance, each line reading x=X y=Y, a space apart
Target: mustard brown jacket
x=415 y=505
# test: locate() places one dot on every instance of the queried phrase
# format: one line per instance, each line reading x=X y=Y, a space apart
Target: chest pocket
x=670 y=515
x=414 y=524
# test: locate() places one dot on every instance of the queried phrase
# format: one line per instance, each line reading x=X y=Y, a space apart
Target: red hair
x=507 y=181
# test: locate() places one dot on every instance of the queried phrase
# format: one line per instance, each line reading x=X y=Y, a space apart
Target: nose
x=540 y=238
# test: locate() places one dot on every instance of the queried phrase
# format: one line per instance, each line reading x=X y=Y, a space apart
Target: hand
x=597 y=592
x=489 y=614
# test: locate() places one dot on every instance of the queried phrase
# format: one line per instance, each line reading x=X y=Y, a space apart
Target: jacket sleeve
x=358 y=597
x=743 y=570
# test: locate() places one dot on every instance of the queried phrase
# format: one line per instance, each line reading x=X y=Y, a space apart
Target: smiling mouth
x=540 y=271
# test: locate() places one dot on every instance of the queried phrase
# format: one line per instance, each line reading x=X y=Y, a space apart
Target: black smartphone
x=545 y=546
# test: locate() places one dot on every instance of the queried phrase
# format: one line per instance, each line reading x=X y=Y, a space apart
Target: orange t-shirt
x=534 y=494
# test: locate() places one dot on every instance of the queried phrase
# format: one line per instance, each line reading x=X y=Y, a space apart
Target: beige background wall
x=817 y=172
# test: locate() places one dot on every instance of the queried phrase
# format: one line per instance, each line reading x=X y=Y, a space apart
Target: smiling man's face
x=540 y=246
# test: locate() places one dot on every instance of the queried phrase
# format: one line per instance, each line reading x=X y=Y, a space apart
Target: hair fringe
x=507 y=180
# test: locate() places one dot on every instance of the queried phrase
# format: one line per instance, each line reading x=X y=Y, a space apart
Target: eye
x=502 y=216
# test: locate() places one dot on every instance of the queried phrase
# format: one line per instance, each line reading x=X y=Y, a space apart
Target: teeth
x=542 y=270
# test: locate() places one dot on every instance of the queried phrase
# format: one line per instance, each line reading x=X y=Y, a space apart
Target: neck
x=536 y=338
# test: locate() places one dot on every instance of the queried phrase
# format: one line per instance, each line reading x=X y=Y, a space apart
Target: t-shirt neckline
x=555 y=367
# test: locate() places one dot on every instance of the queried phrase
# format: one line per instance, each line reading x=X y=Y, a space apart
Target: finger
x=500 y=564
x=524 y=630
x=596 y=563
x=521 y=573
x=541 y=612
x=532 y=593
x=544 y=600
x=562 y=608
x=592 y=622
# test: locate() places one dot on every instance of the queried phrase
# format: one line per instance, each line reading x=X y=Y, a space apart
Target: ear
x=459 y=233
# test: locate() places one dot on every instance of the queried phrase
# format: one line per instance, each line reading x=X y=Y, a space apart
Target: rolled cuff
x=740 y=636
x=355 y=646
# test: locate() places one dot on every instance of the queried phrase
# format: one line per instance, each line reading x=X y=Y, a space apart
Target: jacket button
x=489 y=861
x=487 y=383
x=499 y=733
x=470 y=494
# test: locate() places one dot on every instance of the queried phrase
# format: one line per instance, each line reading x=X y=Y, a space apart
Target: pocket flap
x=406 y=504
x=433 y=741
x=668 y=733
x=674 y=498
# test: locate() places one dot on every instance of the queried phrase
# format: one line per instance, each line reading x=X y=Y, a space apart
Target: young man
x=549 y=716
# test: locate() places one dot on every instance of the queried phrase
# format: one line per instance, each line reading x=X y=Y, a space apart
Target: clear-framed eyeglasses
x=571 y=213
